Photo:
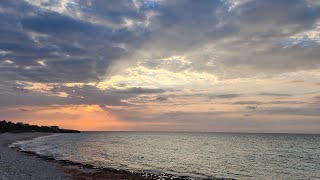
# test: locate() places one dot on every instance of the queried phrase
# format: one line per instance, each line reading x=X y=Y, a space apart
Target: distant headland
x=7 y=126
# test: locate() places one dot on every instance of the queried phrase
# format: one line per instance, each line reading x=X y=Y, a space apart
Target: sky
x=162 y=65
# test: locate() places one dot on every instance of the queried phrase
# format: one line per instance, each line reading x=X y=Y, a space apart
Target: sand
x=15 y=165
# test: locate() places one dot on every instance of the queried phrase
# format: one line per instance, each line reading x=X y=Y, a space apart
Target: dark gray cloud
x=273 y=17
x=295 y=81
x=317 y=97
x=88 y=95
x=247 y=102
x=251 y=107
x=274 y=94
x=263 y=28
x=72 y=45
x=139 y=90
x=267 y=102
x=48 y=47
x=301 y=111
x=255 y=35
x=162 y=98
x=55 y=24
x=225 y=96
x=74 y=50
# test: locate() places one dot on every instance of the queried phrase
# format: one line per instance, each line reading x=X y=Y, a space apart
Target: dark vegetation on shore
x=7 y=126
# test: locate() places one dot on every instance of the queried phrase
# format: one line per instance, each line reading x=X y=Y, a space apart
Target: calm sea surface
x=199 y=155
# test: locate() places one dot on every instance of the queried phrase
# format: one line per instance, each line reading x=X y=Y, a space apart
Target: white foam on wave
x=21 y=145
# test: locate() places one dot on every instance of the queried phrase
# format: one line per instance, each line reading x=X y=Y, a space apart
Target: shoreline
x=45 y=167
x=15 y=165
x=65 y=169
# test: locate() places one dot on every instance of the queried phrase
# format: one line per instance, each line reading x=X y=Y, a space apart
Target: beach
x=15 y=165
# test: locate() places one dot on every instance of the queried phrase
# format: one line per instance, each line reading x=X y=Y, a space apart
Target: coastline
x=15 y=165
x=20 y=165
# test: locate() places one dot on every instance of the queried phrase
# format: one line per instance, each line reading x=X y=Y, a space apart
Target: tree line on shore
x=7 y=126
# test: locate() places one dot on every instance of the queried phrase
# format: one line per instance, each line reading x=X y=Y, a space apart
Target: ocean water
x=198 y=155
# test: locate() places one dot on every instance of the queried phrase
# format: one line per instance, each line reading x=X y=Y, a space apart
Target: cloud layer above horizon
x=216 y=65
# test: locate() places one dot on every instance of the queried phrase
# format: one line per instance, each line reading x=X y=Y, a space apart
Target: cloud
x=292 y=111
x=266 y=102
x=296 y=81
x=224 y=96
x=274 y=94
x=132 y=57
x=317 y=98
x=139 y=90
x=62 y=42
x=161 y=98
x=244 y=41
x=100 y=37
x=158 y=78
x=246 y=102
x=251 y=107
x=175 y=63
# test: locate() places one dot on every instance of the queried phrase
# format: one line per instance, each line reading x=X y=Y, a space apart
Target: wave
x=87 y=167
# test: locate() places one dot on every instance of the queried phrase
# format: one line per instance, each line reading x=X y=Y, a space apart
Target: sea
x=196 y=155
